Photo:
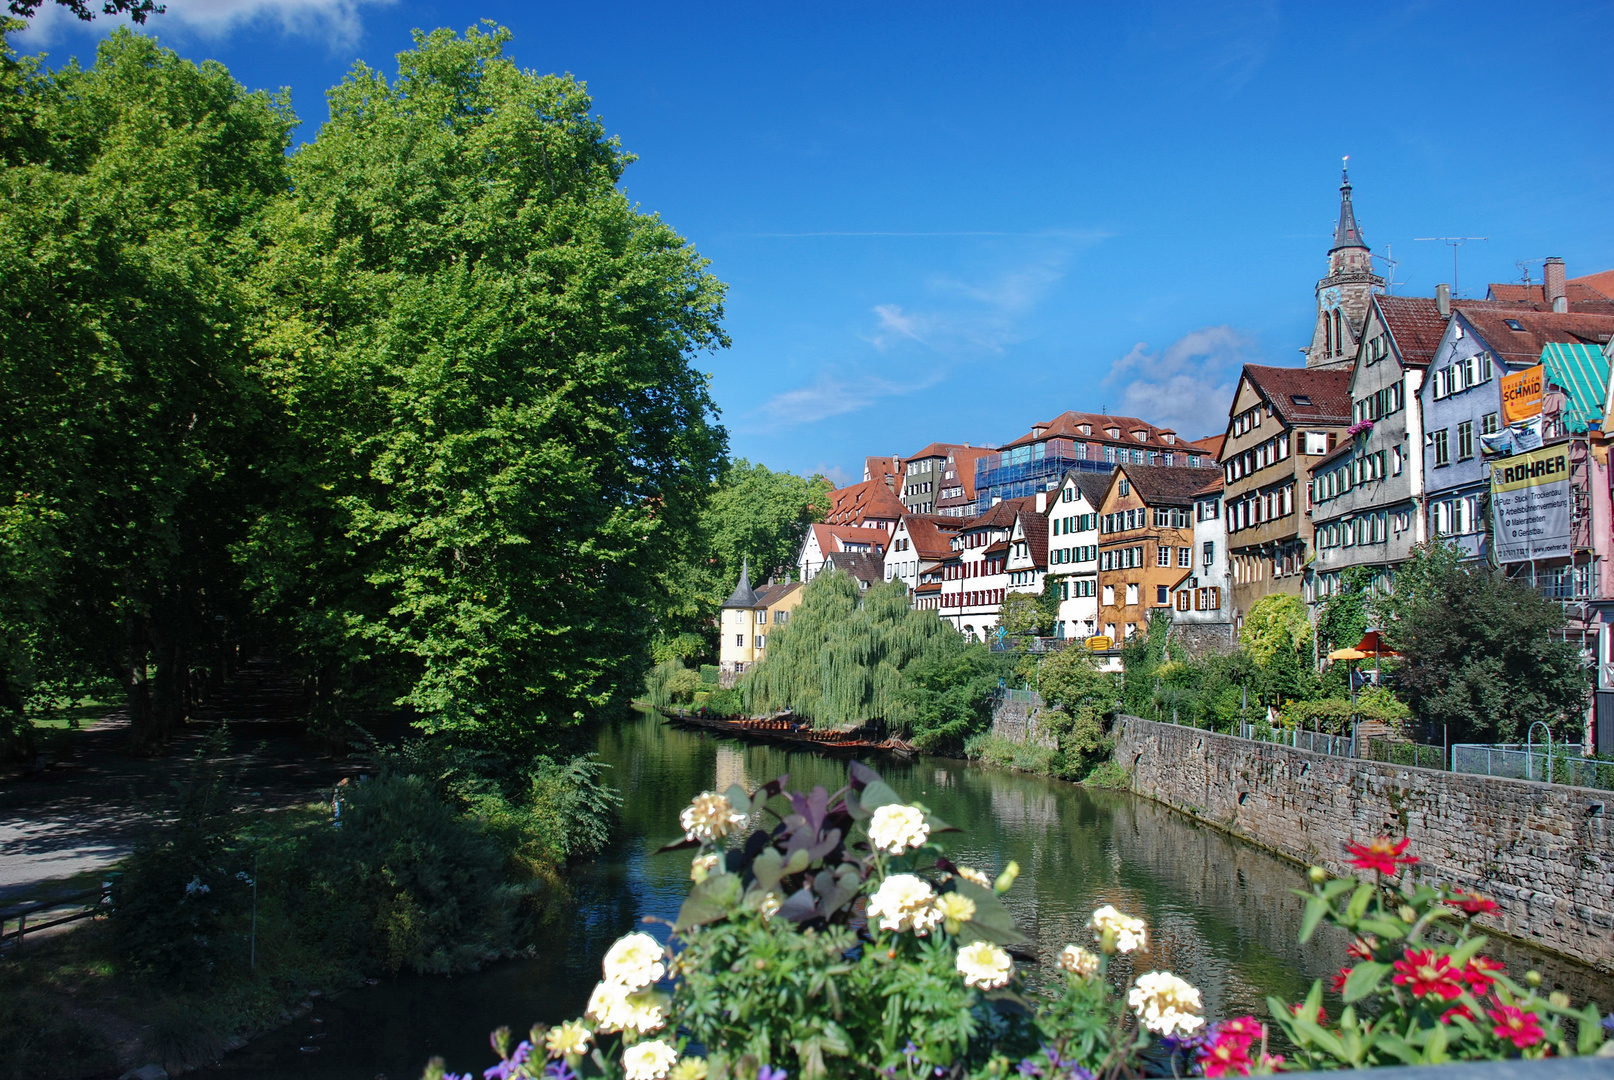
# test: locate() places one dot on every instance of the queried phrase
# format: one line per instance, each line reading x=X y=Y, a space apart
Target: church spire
x=1346 y=233
x=744 y=596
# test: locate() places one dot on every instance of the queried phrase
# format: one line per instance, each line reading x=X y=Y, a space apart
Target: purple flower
x=767 y=1072
x=910 y=1051
x=559 y=1070
x=1027 y=1067
x=1608 y=1022
x=504 y=1070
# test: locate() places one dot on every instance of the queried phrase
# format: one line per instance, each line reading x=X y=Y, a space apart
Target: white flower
x=983 y=964
x=709 y=817
x=956 y=910
x=568 y=1040
x=691 y=1068
x=1078 y=961
x=1125 y=932
x=648 y=1060
x=1166 y=1004
x=905 y=902
x=196 y=888
x=634 y=961
x=701 y=866
x=896 y=828
x=614 y=1007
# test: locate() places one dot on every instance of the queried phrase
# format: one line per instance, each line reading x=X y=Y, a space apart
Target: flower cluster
x=1166 y=1004
x=905 y=902
x=1116 y=932
x=1226 y=1052
x=895 y=828
x=709 y=817
x=1078 y=961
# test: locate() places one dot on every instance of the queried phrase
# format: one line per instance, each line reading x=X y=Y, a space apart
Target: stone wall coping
x=1583 y=1068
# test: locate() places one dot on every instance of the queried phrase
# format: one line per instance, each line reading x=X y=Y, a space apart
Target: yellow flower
x=905 y=902
x=701 y=867
x=975 y=876
x=648 y=1060
x=614 y=1007
x=634 y=961
x=690 y=1068
x=1115 y=931
x=1166 y=1004
x=956 y=910
x=896 y=828
x=709 y=817
x=568 y=1040
x=983 y=964
x=1078 y=961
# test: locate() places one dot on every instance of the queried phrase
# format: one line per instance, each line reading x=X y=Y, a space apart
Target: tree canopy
x=1482 y=655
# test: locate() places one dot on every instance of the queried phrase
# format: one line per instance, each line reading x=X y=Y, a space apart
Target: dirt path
x=59 y=831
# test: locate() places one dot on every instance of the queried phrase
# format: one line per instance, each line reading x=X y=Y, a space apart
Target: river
x=1220 y=912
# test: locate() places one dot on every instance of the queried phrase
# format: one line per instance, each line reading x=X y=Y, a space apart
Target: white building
x=919 y=545
x=1072 y=518
x=1201 y=607
x=976 y=577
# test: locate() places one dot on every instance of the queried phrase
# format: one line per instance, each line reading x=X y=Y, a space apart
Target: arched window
x=1339 y=335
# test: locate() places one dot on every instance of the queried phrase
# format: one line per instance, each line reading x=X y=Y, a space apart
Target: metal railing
x=1404 y=752
x=1315 y=741
x=1564 y=764
x=1030 y=697
x=88 y=904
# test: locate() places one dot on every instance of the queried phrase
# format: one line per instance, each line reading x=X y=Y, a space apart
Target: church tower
x=1343 y=296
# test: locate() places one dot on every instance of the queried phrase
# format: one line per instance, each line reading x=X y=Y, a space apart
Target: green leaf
x=769 y=867
x=992 y=920
x=1316 y=908
x=1393 y=929
x=738 y=798
x=878 y=793
x=1359 y=900
x=711 y=900
x=1364 y=979
x=1590 y=1036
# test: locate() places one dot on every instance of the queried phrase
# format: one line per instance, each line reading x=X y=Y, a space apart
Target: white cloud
x=829 y=396
x=1189 y=385
x=835 y=475
x=338 y=22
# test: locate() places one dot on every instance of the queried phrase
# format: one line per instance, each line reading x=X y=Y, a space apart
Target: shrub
x=711 y=674
x=837 y=941
x=670 y=683
x=725 y=702
x=1109 y=774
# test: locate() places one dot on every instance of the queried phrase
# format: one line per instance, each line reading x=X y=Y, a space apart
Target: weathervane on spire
x=1345 y=168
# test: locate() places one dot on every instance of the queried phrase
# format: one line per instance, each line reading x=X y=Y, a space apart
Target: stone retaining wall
x=1017 y=721
x=1545 y=852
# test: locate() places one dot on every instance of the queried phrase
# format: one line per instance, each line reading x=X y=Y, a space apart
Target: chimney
x=1042 y=502
x=1552 y=277
x=1443 y=299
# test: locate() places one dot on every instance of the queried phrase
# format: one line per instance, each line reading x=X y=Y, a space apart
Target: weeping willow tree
x=842 y=658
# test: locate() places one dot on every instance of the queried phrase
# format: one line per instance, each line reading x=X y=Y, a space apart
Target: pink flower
x=1383 y=855
x=1455 y=1011
x=1226 y=1056
x=1428 y=975
x=1472 y=903
x=1477 y=973
x=1339 y=979
x=1515 y=1025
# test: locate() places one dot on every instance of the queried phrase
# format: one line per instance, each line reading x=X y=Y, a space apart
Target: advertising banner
x=1530 y=505
x=1521 y=395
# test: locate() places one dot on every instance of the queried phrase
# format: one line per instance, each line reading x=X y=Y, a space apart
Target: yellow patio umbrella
x=1348 y=654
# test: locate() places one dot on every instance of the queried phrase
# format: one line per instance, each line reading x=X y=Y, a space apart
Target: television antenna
x=1453 y=242
x=1388 y=259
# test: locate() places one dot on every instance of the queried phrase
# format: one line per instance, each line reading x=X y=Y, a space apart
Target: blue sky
x=944 y=222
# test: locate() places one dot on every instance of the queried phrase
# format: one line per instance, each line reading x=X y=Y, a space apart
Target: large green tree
x=495 y=438
x=127 y=202
x=1482 y=655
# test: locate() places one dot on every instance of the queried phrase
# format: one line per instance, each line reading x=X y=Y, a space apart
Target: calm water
x=1220 y=912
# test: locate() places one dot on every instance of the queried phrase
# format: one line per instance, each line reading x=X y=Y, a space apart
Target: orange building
x=1145 y=544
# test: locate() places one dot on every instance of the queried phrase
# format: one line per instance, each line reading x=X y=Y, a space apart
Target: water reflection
x=1220 y=912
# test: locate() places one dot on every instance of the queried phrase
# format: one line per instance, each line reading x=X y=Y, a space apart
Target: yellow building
x=748 y=617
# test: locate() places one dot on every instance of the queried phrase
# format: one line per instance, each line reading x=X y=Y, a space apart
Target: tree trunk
x=132 y=673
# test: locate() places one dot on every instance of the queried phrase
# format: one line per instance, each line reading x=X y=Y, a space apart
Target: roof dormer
x=1113 y=432
x=1168 y=437
x=1085 y=429
x=1140 y=434
x=1037 y=431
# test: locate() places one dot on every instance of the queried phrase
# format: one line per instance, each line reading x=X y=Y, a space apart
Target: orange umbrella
x=1373 y=645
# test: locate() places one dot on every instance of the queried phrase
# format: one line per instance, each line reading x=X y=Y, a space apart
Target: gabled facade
x=924 y=475
x=1073 y=552
x=1461 y=401
x=1201 y=605
x=870 y=504
x=1366 y=498
x=918 y=545
x=1027 y=563
x=1282 y=421
x=823 y=541
x=1146 y=538
x=956 y=495
x=972 y=596
x=747 y=617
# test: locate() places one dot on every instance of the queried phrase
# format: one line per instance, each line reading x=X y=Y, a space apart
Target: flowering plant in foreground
x=1420 y=991
x=837 y=940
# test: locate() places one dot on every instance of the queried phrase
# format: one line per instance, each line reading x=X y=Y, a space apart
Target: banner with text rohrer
x=1530 y=502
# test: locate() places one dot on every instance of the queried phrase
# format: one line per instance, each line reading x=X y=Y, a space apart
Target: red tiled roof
x=995 y=549
x=1325 y=394
x=1602 y=283
x=1584 y=294
x=1415 y=324
x=1211 y=488
x=1067 y=425
x=1000 y=515
x=878 y=468
x=1523 y=347
x=939 y=449
x=1035 y=528
x=964 y=458
x=1163 y=485
x=769 y=595
x=931 y=535
x=831 y=537
x=856 y=503
x=1211 y=443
